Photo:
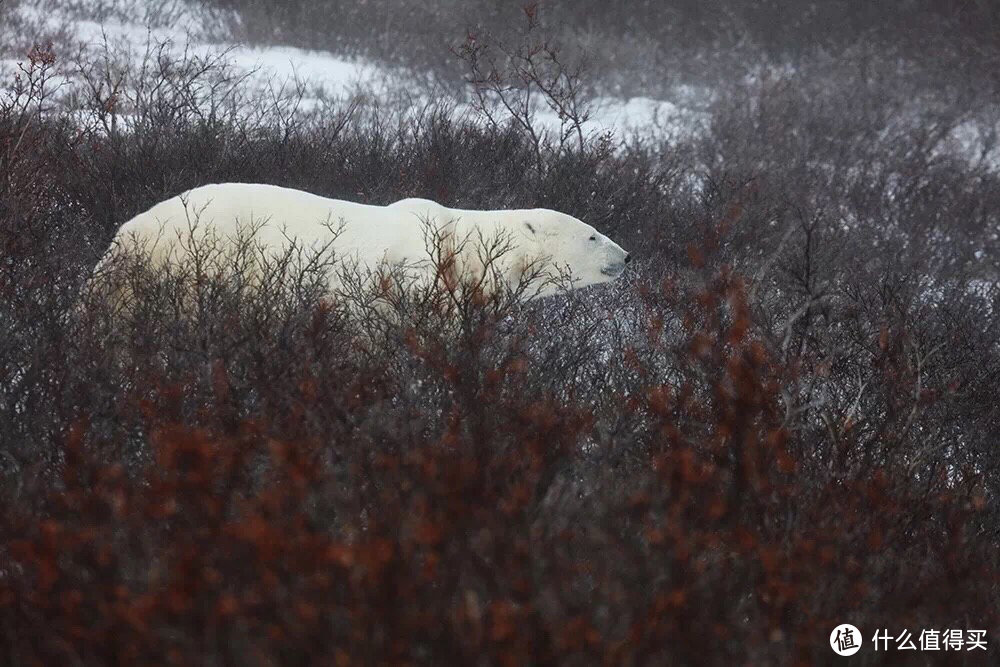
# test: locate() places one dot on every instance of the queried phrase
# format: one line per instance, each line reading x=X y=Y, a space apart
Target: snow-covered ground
x=129 y=34
x=132 y=29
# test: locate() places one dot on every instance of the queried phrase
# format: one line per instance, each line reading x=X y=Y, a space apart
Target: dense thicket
x=783 y=419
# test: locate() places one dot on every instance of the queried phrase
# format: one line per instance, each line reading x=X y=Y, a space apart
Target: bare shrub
x=511 y=84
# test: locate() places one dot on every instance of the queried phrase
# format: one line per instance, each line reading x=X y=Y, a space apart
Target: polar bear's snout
x=617 y=259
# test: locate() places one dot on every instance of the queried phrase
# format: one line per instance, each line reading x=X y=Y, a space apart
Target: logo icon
x=845 y=639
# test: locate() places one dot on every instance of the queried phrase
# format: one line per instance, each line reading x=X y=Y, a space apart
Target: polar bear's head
x=571 y=244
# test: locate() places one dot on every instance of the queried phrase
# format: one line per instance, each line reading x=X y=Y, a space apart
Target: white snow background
x=134 y=28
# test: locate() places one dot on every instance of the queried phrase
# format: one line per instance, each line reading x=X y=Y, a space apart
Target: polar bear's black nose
x=628 y=258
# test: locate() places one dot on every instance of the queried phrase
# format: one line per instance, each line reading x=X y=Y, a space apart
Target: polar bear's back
x=278 y=215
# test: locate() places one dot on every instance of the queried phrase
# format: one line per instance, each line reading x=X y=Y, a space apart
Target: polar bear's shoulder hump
x=414 y=201
x=422 y=210
x=417 y=205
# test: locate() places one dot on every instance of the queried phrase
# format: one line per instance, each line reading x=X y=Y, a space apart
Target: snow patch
x=133 y=29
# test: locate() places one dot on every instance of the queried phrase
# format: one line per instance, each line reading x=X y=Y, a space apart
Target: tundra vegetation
x=782 y=418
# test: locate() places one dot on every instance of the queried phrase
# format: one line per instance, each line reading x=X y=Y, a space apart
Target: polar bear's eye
x=593 y=238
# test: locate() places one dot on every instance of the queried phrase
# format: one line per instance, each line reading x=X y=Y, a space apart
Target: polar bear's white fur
x=374 y=235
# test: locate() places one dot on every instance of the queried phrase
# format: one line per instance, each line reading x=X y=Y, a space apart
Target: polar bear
x=400 y=234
